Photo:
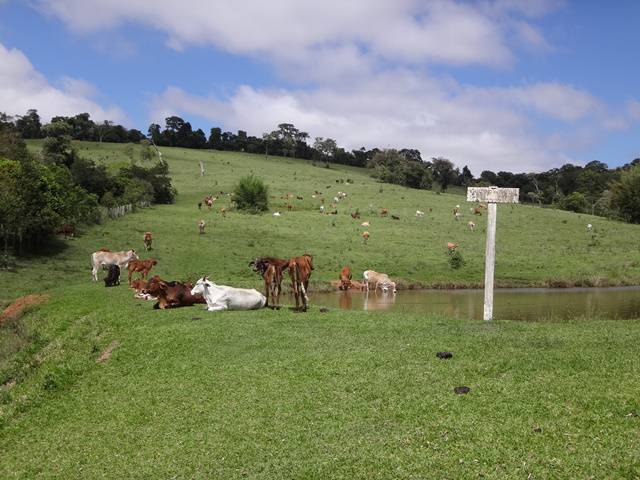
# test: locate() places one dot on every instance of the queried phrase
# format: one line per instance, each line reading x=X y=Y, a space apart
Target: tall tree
x=443 y=172
x=29 y=125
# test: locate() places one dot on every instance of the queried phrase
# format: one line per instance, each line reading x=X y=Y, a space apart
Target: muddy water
x=515 y=304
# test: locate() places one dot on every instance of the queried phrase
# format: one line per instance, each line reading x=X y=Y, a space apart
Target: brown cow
x=355 y=215
x=142 y=266
x=345 y=278
x=384 y=212
x=477 y=211
x=67 y=230
x=171 y=294
x=271 y=269
x=138 y=286
x=148 y=239
x=300 y=270
x=208 y=201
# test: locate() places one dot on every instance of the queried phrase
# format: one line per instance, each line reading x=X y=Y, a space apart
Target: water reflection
x=517 y=304
x=374 y=300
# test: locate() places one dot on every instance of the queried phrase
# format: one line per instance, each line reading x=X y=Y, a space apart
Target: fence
x=120 y=210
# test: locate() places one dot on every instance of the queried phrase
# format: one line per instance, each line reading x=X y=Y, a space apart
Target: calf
x=345 y=278
x=142 y=266
x=300 y=270
x=201 y=225
x=472 y=226
x=384 y=212
x=171 y=294
x=270 y=268
x=113 y=276
x=378 y=279
x=148 y=240
x=138 y=286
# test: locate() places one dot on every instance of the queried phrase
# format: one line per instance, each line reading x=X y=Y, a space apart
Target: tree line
x=593 y=188
x=58 y=189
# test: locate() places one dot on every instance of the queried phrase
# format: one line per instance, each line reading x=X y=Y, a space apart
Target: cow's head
x=155 y=286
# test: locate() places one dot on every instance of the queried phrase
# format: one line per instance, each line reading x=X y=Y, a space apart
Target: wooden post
x=492 y=196
x=490 y=261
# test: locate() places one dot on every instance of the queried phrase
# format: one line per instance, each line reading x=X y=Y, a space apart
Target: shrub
x=455 y=259
x=251 y=194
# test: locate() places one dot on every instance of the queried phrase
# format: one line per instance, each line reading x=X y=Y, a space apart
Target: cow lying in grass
x=171 y=294
x=222 y=297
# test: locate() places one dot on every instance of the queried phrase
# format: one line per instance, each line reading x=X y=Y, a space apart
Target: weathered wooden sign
x=492 y=196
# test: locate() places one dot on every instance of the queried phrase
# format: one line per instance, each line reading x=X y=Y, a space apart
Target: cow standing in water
x=345 y=278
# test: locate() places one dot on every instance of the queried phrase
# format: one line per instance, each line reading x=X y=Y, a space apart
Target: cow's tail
x=301 y=284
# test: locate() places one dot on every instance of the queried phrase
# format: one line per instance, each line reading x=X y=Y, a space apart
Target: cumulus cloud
x=402 y=31
x=396 y=109
x=22 y=87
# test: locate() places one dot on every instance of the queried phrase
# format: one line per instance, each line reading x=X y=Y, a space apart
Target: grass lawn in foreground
x=190 y=394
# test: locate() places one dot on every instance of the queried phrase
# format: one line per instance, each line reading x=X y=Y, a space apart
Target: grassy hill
x=276 y=394
x=535 y=246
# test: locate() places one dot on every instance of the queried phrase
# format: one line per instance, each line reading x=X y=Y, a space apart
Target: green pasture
x=343 y=394
x=535 y=246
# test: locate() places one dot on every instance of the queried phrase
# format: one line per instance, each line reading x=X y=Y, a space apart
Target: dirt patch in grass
x=108 y=351
x=17 y=308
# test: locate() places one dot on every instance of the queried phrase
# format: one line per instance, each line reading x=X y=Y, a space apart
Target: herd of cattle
x=172 y=294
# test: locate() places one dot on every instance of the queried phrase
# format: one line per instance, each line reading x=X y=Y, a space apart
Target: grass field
x=189 y=394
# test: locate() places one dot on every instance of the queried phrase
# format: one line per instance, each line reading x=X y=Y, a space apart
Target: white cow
x=222 y=297
x=589 y=227
x=419 y=214
x=121 y=259
x=382 y=279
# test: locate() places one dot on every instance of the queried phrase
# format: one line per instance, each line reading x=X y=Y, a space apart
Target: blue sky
x=494 y=84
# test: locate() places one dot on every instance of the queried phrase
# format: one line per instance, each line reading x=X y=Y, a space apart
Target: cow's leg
x=266 y=289
x=218 y=307
x=304 y=299
x=130 y=273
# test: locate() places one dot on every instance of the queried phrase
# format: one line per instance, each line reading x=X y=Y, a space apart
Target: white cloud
x=396 y=109
x=400 y=31
x=22 y=87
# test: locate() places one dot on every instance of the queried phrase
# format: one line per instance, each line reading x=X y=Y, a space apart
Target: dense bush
x=251 y=194
x=575 y=202
x=625 y=195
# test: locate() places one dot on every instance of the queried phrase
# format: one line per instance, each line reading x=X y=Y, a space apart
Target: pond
x=513 y=304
